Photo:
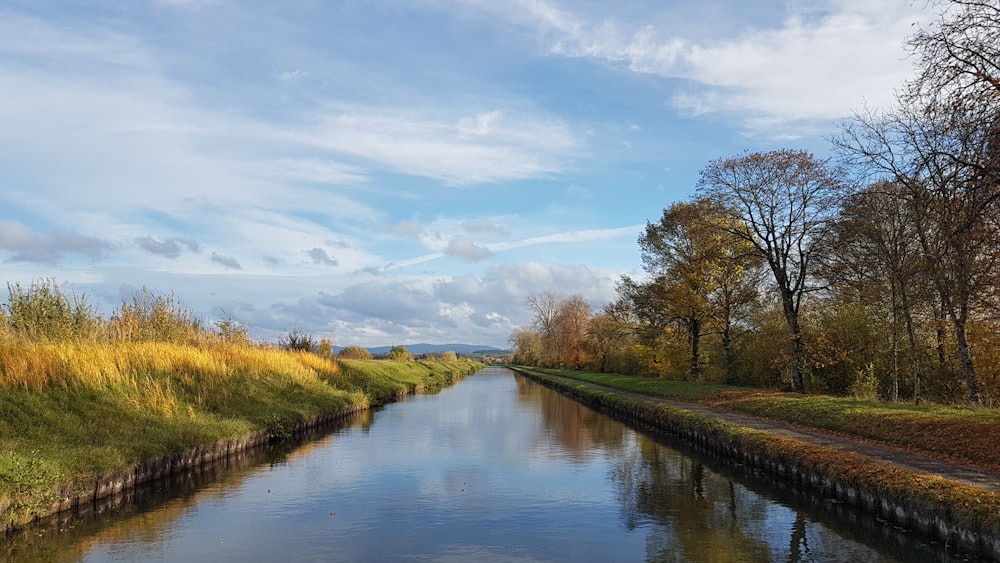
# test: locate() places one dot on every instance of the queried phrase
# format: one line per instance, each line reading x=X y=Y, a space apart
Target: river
x=495 y=468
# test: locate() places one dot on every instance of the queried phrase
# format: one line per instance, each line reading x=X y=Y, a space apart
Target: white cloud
x=456 y=149
x=819 y=61
x=477 y=309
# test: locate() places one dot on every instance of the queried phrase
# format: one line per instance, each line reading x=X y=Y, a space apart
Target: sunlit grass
x=73 y=410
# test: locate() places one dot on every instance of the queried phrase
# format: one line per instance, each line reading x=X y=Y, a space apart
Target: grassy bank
x=962 y=434
x=70 y=411
x=953 y=512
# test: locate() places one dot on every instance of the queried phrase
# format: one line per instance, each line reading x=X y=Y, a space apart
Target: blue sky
x=386 y=172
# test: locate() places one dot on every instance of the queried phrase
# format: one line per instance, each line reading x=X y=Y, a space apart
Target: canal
x=495 y=468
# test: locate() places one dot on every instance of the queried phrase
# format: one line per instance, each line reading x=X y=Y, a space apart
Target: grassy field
x=70 y=411
x=962 y=434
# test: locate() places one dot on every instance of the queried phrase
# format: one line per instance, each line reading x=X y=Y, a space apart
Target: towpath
x=884 y=453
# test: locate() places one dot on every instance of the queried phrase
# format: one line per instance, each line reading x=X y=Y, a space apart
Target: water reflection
x=496 y=468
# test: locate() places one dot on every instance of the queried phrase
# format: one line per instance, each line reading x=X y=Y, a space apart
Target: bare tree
x=877 y=252
x=942 y=142
x=781 y=204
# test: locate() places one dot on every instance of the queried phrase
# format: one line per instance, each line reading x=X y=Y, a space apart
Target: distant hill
x=462 y=349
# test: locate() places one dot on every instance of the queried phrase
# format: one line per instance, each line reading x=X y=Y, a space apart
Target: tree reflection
x=692 y=513
x=580 y=430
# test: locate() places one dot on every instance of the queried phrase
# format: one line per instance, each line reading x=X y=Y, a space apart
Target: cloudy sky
x=391 y=172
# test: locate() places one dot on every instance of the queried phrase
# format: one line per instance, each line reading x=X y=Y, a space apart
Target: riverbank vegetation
x=83 y=396
x=953 y=512
x=957 y=434
x=871 y=275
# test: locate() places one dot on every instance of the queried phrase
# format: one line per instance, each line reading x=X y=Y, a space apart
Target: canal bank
x=496 y=468
x=84 y=494
x=949 y=503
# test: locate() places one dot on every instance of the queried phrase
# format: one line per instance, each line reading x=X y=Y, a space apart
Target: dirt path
x=881 y=452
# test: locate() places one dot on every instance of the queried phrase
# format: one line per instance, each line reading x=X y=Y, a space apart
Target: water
x=496 y=468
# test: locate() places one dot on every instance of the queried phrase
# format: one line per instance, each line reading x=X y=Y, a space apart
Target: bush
x=149 y=317
x=232 y=332
x=43 y=312
x=354 y=352
x=400 y=354
x=297 y=340
x=325 y=348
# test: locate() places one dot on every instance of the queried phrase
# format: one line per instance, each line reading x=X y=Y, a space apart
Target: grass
x=961 y=434
x=70 y=411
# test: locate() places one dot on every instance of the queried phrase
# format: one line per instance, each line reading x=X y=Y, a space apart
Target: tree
x=609 y=332
x=706 y=273
x=545 y=308
x=527 y=345
x=877 y=242
x=781 y=203
x=942 y=142
x=354 y=352
x=572 y=318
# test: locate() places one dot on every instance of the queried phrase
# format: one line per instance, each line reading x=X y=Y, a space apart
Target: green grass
x=961 y=434
x=70 y=412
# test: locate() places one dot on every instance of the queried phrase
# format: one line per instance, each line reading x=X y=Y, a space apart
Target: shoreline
x=798 y=463
x=89 y=494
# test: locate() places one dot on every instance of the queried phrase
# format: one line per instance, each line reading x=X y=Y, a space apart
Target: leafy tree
x=572 y=318
x=781 y=203
x=708 y=275
x=609 y=334
x=527 y=345
x=325 y=349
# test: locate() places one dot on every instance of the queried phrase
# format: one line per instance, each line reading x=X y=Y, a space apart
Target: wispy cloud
x=460 y=150
x=226 y=261
x=812 y=65
x=169 y=248
x=47 y=248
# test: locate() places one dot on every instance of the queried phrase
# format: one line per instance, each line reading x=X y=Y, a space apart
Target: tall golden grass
x=33 y=365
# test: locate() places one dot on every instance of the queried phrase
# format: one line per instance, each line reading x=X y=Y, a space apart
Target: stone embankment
x=718 y=433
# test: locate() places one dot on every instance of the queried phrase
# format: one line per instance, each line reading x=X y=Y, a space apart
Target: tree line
x=871 y=273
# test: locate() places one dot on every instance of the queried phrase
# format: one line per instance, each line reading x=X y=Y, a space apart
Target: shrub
x=297 y=340
x=400 y=354
x=355 y=352
x=232 y=332
x=325 y=348
x=149 y=317
x=43 y=312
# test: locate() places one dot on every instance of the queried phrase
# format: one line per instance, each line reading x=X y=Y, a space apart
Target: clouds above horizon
x=383 y=172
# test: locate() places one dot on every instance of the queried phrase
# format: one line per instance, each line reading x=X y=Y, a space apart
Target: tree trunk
x=914 y=354
x=695 y=352
x=727 y=352
x=966 y=358
x=798 y=346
